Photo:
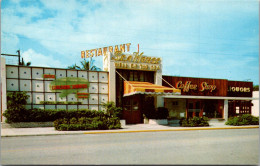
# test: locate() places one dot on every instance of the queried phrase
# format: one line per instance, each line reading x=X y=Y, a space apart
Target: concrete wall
x=30 y=79
x=255 y=107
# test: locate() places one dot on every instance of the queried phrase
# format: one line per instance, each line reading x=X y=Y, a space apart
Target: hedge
x=41 y=115
x=66 y=119
x=194 y=122
x=245 y=119
x=84 y=123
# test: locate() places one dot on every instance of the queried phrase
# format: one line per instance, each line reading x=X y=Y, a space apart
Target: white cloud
x=38 y=59
x=180 y=32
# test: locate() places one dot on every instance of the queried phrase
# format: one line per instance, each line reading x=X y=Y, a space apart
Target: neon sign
x=136 y=61
x=77 y=86
x=187 y=86
x=135 y=58
x=104 y=50
x=48 y=76
x=238 y=89
x=70 y=85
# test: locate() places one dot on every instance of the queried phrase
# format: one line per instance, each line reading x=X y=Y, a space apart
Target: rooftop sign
x=104 y=50
x=136 y=61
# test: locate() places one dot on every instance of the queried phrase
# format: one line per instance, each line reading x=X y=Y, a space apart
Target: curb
x=24 y=135
x=134 y=131
x=160 y=130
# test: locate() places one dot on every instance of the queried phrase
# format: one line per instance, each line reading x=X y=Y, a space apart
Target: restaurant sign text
x=136 y=61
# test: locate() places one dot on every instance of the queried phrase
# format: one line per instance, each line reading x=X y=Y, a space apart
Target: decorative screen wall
x=30 y=79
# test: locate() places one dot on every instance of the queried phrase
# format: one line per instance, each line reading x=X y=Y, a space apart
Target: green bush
x=112 y=110
x=16 y=102
x=84 y=123
x=114 y=123
x=194 y=122
x=245 y=119
x=40 y=115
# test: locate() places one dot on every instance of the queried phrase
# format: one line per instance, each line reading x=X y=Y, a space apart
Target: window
x=237 y=110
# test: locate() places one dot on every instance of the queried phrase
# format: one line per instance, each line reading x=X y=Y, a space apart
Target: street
x=233 y=146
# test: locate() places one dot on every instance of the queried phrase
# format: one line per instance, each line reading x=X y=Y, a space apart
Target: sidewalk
x=9 y=132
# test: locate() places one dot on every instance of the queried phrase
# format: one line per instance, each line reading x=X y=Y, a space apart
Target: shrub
x=194 y=122
x=84 y=123
x=114 y=123
x=16 y=102
x=245 y=119
x=111 y=109
x=40 y=115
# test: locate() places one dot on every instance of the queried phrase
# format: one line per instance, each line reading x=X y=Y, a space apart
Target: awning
x=136 y=87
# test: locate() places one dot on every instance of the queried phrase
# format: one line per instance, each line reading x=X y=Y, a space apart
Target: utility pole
x=19 y=56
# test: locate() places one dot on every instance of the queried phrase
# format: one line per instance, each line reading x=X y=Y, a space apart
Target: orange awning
x=136 y=87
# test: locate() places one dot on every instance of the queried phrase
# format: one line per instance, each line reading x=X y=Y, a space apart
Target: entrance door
x=132 y=109
x=194 y=108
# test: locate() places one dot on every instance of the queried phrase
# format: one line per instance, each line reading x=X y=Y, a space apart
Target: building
x=134 y=81
x=213 y=98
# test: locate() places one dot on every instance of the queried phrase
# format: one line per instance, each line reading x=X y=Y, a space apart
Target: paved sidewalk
x=9 y=132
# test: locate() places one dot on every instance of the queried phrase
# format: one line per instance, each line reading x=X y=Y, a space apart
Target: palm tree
x=74 y=67
x=86 y=65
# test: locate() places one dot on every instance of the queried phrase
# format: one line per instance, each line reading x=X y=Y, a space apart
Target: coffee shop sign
x=188 y=86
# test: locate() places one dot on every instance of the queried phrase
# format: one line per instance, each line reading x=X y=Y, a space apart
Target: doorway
x=132 y=109
x=194 y=108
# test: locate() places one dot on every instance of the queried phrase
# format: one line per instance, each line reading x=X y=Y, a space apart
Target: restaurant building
x=133 y=81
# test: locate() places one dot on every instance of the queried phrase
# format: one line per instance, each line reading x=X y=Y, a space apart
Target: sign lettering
x=77 y=86
x=48 y=76
x=101 y=51
x=238 y=89
x=189 y=86
x=136 y=61
x=186 y=87
x=135 y=58
x=205 y=86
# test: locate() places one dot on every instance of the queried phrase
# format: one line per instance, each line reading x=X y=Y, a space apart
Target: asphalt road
x=238 y=146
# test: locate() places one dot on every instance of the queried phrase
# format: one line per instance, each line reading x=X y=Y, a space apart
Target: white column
x=158 y=81
x=110 y=64
x=226 y=110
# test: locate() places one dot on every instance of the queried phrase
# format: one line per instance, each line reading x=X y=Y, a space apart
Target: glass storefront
x=179 y=108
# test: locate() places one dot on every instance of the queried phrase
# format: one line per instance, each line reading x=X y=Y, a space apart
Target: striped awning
x=136 y=87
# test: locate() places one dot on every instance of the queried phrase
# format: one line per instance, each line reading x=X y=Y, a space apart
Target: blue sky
x=203 y=38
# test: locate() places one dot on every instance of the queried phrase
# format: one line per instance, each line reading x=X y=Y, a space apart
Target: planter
x=122 y=121
x=158 y=121
x=27 y=124
x=177 y=121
